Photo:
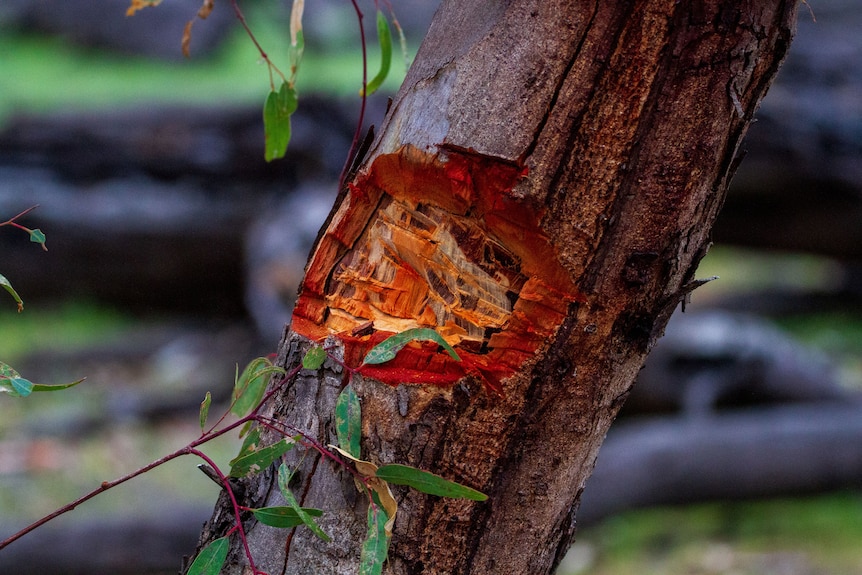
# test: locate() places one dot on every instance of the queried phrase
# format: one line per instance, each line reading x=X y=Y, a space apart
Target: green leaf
x=314 y=358
x=427 y=482
x=249 y=445
x=16 y=386
x=276 y=120
x=387 y=349
x=56 y=387
x=205 y=409
x=284 y=475
x=376 y=544
x=5 y=283
x=295 y=52
x=12 y=383
x=38 y=237
x=384 y=36
x=211 y=558
x=348 y=421
x=259 y=459
x=251 y=385
x=283 y=517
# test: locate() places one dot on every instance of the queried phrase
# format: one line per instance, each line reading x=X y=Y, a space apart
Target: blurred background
x=175 y=250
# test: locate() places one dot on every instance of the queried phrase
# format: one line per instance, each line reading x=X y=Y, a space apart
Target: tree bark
x=540 y=192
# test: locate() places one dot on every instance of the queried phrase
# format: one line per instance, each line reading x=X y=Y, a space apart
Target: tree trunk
x=540 y=192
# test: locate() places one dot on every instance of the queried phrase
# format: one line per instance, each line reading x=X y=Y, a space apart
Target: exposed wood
x=568 y=160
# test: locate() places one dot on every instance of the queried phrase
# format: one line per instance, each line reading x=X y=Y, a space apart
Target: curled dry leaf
x=136 y=5
x=368 y=471
x=187 y=39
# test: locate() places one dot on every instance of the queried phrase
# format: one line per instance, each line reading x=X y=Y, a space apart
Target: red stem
x=22 y=214
x=358 y=133
x=188 y=449
x=241 y=17
x=234 y=503
x=105 y=485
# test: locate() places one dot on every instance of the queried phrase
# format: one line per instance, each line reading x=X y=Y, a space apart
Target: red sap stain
x=437 y=240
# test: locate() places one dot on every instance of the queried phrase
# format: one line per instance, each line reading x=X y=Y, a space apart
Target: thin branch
x=241 y=17
x=11 y=221
x=236 y=508
x=101 y=489
x=358 y=133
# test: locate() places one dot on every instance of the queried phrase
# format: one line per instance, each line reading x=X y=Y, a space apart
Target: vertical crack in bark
x=577 y=53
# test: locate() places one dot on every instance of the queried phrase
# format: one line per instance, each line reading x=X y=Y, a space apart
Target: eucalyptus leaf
x=384 y=36
x=205 y=409
x=249 y=445
x=16 y=386
x=211 y=558
x=427 y=482
x=284 y=475
x=260 y=459
x=376 y=544
x=284 y=517
x=251 y=385
x=348 y=421
x=56 y=387
x=12 y=383
x=277 y=110
x=387 y=349
x=8 y=287
x=314 y=358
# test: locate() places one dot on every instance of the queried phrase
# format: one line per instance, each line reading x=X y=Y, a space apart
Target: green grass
x=741 y=269
x=43 y=74
x=817 y=534
x=68 y=325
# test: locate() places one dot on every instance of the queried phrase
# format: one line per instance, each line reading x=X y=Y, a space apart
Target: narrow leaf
x=314 y=358
x=427 y=482
x=276 y=120
x=376 y=544
x=251 y=385
x=387 y=349
x=211 y=558
x=296 y=21
x=5 y=283
x=56 y=387
x=8 y=375
x=205 y=409
x=402 y=40
x=384 y=36
x=348 y=421
x=295 y=55
x=284 y=517
x=260 y=459
x=284 y=475
x=249 y=445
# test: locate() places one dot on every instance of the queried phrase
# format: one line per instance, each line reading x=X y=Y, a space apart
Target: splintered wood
x=409 y=269
x=426 y=241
